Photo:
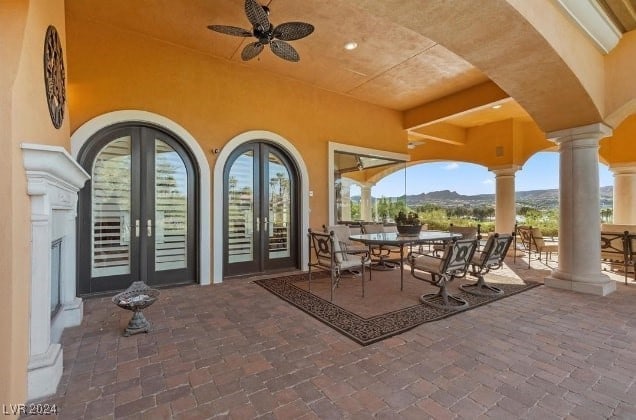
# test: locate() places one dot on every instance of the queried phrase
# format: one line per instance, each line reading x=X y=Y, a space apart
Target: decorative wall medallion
x=54 y=76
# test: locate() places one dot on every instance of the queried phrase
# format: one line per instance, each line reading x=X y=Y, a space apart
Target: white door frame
x=219 y=166
x=89 y=128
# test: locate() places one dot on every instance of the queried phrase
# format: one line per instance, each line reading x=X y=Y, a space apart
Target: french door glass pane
x=110 y=218
x=241 y=209
x=171 y=208
x=279 y=208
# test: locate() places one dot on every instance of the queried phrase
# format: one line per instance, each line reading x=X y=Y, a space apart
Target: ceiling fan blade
x=257 y=15
x=284 y=50
x=230 y=30
x=291 y=31
x=251 y=50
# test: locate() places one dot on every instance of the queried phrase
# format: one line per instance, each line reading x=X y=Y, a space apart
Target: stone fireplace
x=53 y=180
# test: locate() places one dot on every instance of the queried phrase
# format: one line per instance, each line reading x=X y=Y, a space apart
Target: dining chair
x=439 y=271
x=329 y=256
x=467 y=232
x=381 y=254
x=491 y=258
x=343 y=232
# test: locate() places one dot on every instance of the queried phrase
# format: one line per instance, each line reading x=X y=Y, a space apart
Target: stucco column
x=345 y=199
x=624 y=210
x=505 y=202
x=365 y=202
x=579 y=220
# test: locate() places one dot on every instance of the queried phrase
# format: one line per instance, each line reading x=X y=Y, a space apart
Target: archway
x=88 y=129
x=219 y=199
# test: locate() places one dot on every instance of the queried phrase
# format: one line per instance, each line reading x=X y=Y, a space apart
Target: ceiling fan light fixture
x=351 y=45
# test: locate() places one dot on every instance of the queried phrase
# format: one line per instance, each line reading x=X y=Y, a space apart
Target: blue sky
x=540 y=172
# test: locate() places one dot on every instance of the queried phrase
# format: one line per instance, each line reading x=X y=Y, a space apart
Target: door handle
x=258 y=224
x=137 y=228
x=266 y=222
x=149 y=227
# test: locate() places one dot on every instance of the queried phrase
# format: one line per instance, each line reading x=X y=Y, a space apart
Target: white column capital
x=592 y=132
x=623 y=168
x=366 y=184
x=347 y=182
x=504 y=170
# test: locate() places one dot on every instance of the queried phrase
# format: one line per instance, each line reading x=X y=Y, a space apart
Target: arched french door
x=261 y=211
x=137 y=214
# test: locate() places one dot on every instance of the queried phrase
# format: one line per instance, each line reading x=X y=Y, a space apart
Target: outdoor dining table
x=397 y=240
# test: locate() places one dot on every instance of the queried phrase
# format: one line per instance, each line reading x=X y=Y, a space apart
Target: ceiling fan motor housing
x=264 y=36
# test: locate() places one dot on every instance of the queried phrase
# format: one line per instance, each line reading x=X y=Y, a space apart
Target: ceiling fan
x=266 y=33
x=414 y=143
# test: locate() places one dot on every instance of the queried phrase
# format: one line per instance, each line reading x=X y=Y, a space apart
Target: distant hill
x=542 y=199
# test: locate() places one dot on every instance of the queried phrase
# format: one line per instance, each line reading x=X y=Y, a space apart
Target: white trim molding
x=347 y=148
x=219 y=166
x=53 y=181
x=89 y=128
x=593 y=21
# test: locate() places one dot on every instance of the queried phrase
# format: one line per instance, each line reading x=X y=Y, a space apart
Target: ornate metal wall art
x=54 y=76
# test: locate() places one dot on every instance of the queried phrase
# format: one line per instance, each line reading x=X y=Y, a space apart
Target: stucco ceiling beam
x=443 y=132
x=457 y=103
x=526 y=50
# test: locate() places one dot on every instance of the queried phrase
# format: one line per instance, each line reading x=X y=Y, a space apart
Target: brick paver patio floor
x=236 y=351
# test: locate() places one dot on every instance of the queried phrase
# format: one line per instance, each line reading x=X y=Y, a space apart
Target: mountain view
x=539 y=199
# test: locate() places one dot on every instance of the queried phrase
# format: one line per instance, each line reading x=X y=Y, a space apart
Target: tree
x=606 y=215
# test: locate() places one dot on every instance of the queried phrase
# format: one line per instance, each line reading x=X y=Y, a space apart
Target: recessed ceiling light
x=496 y=106
x=350 y=45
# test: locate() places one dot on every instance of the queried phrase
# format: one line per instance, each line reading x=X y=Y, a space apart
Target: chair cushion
x=549 y=248
x=373 y=228
x=428 y=263
x=352 y=262
x=342 y=259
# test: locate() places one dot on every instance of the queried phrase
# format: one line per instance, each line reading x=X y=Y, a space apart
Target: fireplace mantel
x=53 y=180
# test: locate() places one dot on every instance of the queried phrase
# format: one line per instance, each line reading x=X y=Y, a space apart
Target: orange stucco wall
x=620 y=81
x=24 y=117
x=621 y=146
x=12 y=22
x=215 y=100
x=491 y=145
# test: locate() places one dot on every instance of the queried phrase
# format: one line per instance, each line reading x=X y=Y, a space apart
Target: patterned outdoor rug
x=369 y=330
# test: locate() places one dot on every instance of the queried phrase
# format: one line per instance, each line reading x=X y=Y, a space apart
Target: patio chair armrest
x=346 y=252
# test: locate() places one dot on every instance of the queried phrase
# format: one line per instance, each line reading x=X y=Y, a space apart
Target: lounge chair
x=619 y=248
x=539 y=245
